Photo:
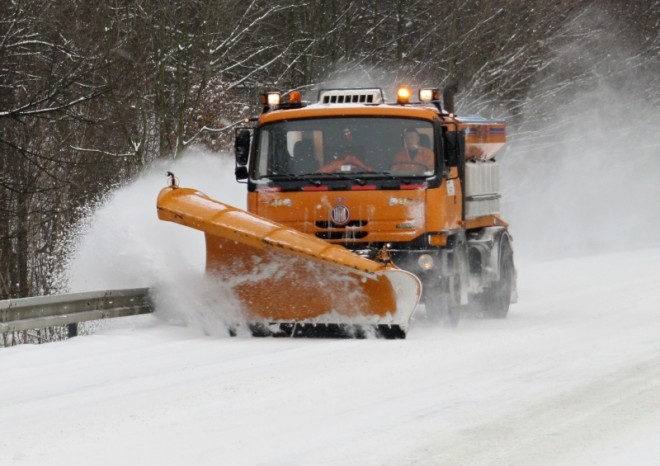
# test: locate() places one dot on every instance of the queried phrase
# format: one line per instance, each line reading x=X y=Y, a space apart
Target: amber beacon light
x=403 y=95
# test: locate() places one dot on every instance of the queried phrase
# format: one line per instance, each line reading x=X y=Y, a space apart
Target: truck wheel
x=497 y=297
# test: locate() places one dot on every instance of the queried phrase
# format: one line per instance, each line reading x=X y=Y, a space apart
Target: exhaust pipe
x=448 y=96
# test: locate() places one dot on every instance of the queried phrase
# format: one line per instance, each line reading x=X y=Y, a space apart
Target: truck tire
x=497 y=297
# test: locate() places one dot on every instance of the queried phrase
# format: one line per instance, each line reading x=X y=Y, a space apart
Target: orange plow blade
x=290 y=283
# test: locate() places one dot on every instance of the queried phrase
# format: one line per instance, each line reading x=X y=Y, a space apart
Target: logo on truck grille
x=340 y=215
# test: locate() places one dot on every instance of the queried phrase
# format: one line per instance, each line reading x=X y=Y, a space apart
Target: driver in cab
x=413 y=157
x=348 y=162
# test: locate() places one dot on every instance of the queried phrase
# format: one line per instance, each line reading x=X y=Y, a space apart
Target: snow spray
x=581 y=172
x=124 y=245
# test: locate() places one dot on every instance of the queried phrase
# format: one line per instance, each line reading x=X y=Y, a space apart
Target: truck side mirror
x=242 y=146
x=241 y=173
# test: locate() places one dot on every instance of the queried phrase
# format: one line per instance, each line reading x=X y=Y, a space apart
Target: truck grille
x=343 y=235
x=352 y=224
x=350 y=231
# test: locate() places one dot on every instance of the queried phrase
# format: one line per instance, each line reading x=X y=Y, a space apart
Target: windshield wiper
x=302 y=177
x=345 y=176
x=284 y=176
x=385 y=174
x=357 y=177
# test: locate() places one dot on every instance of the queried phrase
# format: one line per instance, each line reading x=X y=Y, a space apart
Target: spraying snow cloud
x=124 y=245
x=582 y=172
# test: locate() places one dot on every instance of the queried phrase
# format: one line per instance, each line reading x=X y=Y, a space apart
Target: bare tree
x=91 y=93
x=53 y=71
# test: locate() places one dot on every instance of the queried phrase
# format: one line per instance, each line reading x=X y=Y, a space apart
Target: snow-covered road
x=571 y=377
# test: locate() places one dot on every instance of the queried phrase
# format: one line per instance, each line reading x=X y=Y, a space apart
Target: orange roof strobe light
x=295 y=97
x=403 y=95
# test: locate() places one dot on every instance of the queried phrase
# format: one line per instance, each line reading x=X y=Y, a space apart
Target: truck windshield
x=331 y=147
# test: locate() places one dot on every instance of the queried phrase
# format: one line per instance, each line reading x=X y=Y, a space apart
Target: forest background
x=92 y=93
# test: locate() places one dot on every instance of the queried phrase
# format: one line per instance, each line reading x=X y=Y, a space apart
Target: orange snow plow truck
x=357 y=208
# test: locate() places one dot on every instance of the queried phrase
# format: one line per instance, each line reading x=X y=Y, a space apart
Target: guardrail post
x=72 y=330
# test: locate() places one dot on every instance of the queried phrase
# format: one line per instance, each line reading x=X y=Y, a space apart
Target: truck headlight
x=425 y=262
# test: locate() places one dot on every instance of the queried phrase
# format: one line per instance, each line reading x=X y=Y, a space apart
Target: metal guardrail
x=70 y=309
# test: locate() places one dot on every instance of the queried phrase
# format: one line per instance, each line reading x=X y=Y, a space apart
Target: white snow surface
x=571 y=377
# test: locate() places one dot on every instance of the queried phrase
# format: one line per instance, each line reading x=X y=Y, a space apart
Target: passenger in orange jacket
x=413 y=156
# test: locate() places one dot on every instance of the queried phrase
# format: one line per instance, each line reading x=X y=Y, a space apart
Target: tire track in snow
x=560 y=426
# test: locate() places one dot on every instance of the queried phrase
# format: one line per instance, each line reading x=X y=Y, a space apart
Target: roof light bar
x=351 y=96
